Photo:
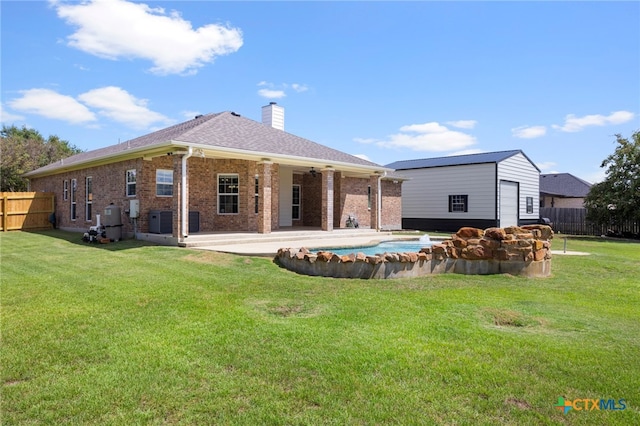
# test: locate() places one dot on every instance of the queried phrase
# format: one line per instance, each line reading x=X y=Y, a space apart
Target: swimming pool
x=398 y=246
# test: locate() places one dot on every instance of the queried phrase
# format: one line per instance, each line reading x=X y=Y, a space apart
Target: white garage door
x=508 y=204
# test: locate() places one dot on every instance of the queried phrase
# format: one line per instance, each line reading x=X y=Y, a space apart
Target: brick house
x=563 y=190
x=221 y=173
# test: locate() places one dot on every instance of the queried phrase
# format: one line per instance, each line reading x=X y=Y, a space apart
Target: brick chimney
x=273 y=116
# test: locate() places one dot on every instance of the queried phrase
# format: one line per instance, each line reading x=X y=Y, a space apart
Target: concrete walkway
x=270 y=248
x=569 y=253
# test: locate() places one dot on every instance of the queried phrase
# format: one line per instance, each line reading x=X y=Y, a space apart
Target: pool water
x=404 y=246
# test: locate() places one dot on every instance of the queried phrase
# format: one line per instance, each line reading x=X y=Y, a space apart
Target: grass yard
x=129 y=333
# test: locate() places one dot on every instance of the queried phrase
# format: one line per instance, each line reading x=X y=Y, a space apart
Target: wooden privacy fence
x=26 y=210
x=574 y=221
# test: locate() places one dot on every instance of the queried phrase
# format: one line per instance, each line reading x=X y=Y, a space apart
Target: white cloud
x=463 y=124
x=50 y=104
x=271 y=94
x=431 y=136
x=576 y=124
x=595 y=177
x=7 y=117
x=277 y=91
x=466 y=152
x=545 y=166
x=190 y=114
x=116 y=29
x=121 y=106
x=362 y=156
x=529 y=132
x=365 y=140
x=299 y=87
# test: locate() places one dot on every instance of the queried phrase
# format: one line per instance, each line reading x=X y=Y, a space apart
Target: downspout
x=379 y=212
x=183 y=193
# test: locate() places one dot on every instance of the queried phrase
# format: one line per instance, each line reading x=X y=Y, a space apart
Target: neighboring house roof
x=224 y=134
x=564 y=185
x=457 y=160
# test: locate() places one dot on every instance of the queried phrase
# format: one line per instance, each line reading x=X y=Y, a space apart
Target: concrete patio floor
x=268 y=245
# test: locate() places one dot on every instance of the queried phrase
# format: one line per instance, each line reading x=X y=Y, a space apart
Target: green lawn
x=128 y=333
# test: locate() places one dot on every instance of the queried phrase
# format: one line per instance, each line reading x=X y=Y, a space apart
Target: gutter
x=379 y=209
x=184 y=231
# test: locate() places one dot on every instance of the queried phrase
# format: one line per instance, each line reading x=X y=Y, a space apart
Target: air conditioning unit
x=160 y=222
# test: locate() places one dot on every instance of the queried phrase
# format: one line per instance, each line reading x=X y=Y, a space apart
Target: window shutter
x=466 y=203
x=450 y=203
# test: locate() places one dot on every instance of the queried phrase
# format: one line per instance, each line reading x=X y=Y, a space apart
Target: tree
x=617 y=198
x=23 y=149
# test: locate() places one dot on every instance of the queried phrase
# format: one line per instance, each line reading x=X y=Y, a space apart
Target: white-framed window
x=256 y=184
x=131 y=183
x=164 y=183
x=529 y=204
x=228 y=193
x=295 y=202
x=74 y=189
x=369 y=197
x=458 y=203
x=65 y=190
x=88 y=197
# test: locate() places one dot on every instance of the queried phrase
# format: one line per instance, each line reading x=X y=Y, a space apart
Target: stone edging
x=524 y=251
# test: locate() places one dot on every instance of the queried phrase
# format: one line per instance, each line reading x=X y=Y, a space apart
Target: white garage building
x=479 y=190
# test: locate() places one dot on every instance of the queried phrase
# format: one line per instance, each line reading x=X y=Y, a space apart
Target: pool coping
x=523 y=251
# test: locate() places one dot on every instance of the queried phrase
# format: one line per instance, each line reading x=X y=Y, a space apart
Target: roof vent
x=235 y=114
x=198 y=116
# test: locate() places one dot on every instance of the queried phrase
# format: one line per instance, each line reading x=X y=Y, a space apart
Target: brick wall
x=354 y=200
x=275 y=195
x=109 y=186
x=391 y=205
x=311 y=199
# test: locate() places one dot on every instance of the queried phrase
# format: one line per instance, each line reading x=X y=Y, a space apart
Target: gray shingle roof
x=455 y=160
x=564 y=184
x=221 y=130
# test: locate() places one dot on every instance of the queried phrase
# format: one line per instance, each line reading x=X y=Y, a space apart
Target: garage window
x=458 y=203
x=529 y=204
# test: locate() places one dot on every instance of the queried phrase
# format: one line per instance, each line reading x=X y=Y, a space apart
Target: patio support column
x=264 y=197
x=176 y=202
x=373 y=183
x=327 y=199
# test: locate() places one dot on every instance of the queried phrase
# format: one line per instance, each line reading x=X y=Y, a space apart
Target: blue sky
x=386 y=80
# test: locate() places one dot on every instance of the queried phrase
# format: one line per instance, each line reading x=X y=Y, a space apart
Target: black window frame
x=256 y=195
x=458 y=200
x=88 y=198
x=296 y=210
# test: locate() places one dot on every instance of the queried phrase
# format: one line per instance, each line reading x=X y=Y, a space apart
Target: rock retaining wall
x=524 y=251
